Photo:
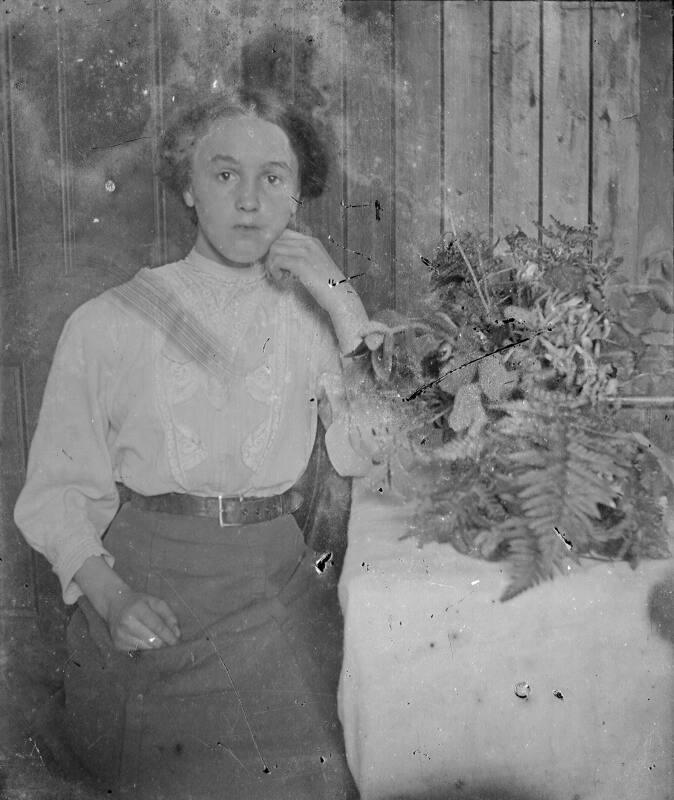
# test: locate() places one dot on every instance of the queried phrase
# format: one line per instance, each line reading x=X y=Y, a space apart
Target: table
x=432 y=658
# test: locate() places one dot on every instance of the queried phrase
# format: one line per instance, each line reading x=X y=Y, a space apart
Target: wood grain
x=370 y=154
x=466 y=115
x=655 y=234
x=655 y=130
x=418 y=147
x=320 y=25
x=516 y=88
x=566 y=122
x=8 y=219
x=615 y=178
x=16 y=561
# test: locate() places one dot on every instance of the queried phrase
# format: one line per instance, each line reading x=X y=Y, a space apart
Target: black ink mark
x=558 y=694
x=333 y=282
x=354 y=252
x=119 y=144
x=299 y=202
x=266 y=343
x=377 y=210
x=428 y=385
x=322 y=563
x=567 y=542
x=426 y=261
x=67 y=455
x=354 y=205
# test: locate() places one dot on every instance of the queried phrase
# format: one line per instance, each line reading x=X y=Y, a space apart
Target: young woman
x=198 y=649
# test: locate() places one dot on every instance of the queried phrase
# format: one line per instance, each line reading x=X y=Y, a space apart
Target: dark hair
x=182 y=135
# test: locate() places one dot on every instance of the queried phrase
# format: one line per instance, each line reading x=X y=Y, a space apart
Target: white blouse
x=123 y=403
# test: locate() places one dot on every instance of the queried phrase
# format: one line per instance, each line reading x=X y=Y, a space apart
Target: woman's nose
x=248 y=198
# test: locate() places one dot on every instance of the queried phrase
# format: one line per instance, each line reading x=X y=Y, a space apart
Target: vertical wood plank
x=516 y=88
x=38 y=219
x=66 y=181
x=320 y=25
x=615 y=178
x=418 y=157
x=160 y=243
x=566 y=120
x=112 y=69
x=8 y=218
x=655 y=130
x=370 y=152
x=655 y=176
x=16 y=562
x=259 y=17
x=467 y=114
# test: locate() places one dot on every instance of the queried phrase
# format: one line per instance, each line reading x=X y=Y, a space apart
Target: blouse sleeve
x=70 y=497
x=333 y=406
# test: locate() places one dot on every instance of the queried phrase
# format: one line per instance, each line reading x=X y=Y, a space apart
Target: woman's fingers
x=144 y=622
x=136 y=636
x=163 y=610
x=150 y=619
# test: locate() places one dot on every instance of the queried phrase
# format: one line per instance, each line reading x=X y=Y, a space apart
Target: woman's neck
x=208 y=265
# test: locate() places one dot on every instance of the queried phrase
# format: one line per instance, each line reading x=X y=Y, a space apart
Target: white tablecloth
x=432 y=658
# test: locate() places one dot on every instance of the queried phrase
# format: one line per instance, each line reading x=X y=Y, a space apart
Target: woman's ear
x=188 y=197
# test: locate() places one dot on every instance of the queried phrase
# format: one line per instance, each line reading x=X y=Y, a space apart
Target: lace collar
x=239 y=275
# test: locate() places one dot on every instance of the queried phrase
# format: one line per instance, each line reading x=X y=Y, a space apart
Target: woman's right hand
x=136 y=621
x=141 y=622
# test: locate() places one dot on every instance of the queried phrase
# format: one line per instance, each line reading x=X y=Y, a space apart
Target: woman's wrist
x=101 y=585
x=348 y=317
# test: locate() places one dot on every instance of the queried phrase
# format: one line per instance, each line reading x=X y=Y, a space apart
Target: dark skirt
x=245 y=705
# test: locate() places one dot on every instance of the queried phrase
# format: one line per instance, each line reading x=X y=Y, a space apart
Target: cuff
x=71 y=560
x=344 y=457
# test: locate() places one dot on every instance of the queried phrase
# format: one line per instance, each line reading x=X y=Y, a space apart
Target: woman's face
x=243 y=187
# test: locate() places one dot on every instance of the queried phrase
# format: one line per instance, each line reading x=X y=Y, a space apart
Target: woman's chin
x=243 y=256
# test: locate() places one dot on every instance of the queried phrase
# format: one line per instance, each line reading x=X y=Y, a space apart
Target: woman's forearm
x=100 y=584
x=348 y=316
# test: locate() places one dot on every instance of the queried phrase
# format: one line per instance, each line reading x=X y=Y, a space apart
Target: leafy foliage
x=495 y=411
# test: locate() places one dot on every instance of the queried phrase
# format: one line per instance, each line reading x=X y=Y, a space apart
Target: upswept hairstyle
x=185 y=131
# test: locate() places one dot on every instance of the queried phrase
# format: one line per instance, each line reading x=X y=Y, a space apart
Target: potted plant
x=500 y=410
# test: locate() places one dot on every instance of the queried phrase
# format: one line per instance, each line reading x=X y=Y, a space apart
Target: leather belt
x=227 y=510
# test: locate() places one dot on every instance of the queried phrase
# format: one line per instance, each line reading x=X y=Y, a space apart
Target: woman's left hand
x=305 y=258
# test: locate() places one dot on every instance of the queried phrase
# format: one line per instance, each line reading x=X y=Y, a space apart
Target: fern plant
x=497 y=410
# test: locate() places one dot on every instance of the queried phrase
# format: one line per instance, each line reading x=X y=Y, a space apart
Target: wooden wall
x=495 y=114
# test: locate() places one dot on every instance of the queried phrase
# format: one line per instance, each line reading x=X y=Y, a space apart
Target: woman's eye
x=225 y=175
x=273 y=179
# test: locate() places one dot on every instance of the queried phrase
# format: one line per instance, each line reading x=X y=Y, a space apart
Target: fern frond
x=562 y=476
x=531 y=559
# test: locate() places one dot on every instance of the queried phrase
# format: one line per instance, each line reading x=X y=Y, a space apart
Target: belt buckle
x=225 y=505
